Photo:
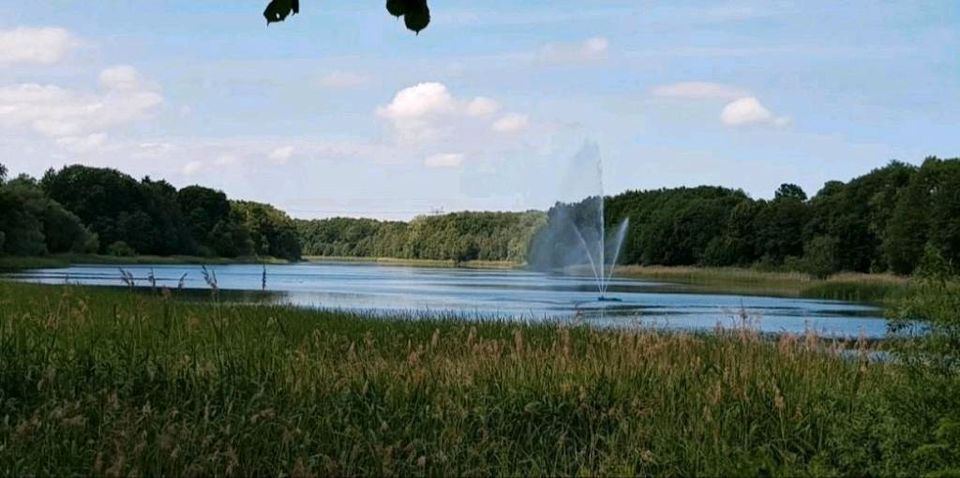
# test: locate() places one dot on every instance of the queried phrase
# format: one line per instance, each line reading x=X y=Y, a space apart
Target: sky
x=340 y=111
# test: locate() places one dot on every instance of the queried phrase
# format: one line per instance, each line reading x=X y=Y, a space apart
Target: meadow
x=113 y=382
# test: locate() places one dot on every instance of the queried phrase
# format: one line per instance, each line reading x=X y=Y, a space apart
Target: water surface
x=485 y=293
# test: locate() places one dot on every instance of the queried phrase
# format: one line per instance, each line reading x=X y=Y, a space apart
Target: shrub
x=120 y=249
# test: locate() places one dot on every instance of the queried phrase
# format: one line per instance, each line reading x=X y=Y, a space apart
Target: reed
x=109 y=382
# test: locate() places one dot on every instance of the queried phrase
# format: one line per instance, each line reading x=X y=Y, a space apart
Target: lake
x=490 y=294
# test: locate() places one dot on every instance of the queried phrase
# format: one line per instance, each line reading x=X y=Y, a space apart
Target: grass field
x=113 y=383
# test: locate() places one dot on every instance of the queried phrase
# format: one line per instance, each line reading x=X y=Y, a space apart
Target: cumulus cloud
x=699 y=90
x=749 y=111
x=59 y=112
x=591 y=49
x=511 y=123
x=44 y=46
x=418 y=101
x=447 y=161
x=281 y=155
x=429 y=112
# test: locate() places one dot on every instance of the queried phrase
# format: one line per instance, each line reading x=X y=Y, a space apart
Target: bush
x=820 y=256
x=121 y=249
x=933 y=310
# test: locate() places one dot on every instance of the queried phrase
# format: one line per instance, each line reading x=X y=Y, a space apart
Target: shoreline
x=846 y=286
x=19 y=263
x=442 y=263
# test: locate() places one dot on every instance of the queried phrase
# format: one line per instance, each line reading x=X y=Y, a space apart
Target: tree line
x=885 y=220
x=80 y=209
x=460 y=237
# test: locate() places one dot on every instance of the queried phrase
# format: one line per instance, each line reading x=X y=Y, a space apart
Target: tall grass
x=843 y=286
x=108 y=382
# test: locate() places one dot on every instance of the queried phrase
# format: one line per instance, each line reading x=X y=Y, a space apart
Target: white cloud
x=418 y=101
x=428 y=112
x=281 y=155
x=591 y=49
x=226 y=160
x=699 y=90
x=749 y=111
x=44 y=46
x=448 y=161
x=481 y=106
x=83 y=144
x=191 y=168
x=343 y=80
x=121 y=77
x=414 y=111
x=58 y=112
x=511 y=123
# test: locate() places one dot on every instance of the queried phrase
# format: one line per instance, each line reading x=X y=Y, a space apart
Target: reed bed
x=114 y=383
x=843 y=286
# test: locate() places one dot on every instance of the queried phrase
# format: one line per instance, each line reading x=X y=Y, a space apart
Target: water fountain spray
x=591 y=233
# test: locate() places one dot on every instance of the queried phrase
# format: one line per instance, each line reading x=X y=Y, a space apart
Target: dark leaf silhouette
x=397 y=7
x=279 y=10
x=416 y=13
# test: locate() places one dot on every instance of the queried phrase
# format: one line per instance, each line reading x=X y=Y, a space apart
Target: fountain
x=577 y=232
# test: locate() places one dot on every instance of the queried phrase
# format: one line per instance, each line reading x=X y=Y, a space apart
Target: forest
x=81 y=209
x=887 y=220
x=884 y=221
x=460 y=237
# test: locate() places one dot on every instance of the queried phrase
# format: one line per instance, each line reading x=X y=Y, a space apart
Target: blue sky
x=341 y=111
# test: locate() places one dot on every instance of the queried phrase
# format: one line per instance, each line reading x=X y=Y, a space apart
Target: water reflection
x=505 y=294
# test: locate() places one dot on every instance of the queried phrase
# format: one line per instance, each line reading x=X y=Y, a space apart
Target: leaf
x=397 y=7
x=279 y=10
x=418 y=17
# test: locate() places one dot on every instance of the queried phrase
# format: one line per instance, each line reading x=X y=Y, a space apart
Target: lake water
x=486 y=293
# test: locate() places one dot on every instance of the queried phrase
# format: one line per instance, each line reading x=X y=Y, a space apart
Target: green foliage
x=820 y=256
x=22 y=229
x=81 y=209
x=121 y=249
x=118 y=208
x=34 y=224
x=790 y=191
x=272 y=231
x=928 y=211
x=876 y=222
x=932 y=312
x=460 y=237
